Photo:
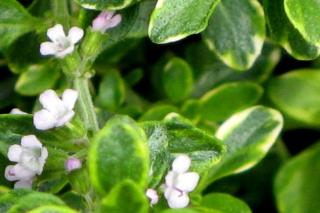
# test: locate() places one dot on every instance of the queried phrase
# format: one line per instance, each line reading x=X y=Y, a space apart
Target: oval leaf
x=297 y=184
x=236 y=32
x=177 y=79
x=304 y=15
x=297 y=95
x=188 y=17
x=248 y=135
x=227 y=99
x=119 y=151
x=284 y=33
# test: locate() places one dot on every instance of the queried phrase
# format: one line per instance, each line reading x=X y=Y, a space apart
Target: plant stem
x=61 y=12
x=86 y=107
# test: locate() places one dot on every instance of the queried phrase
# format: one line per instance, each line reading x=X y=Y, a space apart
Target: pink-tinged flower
x=72 y=164
x=179 y=182
x=106 y=20
x=61 y=45
x=56 y=112
x=30 y=157
x=153 y=196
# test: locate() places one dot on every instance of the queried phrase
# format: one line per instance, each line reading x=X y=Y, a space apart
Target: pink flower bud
x=106 y=20
x=72 y=164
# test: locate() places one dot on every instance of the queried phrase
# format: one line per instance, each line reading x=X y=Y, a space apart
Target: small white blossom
x=153 y=196
x=61 y=45
x=179 y=182
x=106 y=20
x=72 y=164
x=17 y=111
x=30 y=157
x=56 y=112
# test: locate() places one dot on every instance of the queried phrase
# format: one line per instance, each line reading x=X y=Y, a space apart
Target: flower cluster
x=178 y=183
x=30 y=157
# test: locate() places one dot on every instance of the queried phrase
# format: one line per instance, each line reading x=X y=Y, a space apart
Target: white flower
x=17 y=111
x=61 y=44
x=106 y=20
x=30 y=157
x=56 y=112
x=72 y=164
x=179 y=182
x=153 y=196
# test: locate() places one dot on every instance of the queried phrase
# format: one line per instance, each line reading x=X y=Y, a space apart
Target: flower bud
x=72 y=164
x=106 y=20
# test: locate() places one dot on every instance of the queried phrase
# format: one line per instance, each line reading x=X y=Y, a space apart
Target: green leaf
x=159 y=155
x=297 y=95
x=33 y=200
x=284 y=33
x=37 y=78
x=224 y=203
x=14 y=22
x=305 y=18
x=53 y=209
x=236 y=32
x=125 y=197
x=75 y=200
x=227 y=99
x=8 y=199
x=248 y=135
x=122 y=139
x=106 y=4
x=297 y=183
x=177 y=79
x=158 y=112
x=111 y=91
x=174 y=20
x=184 y=210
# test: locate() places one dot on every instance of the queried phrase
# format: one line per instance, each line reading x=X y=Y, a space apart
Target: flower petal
x=114 y=21
x=65 y=52
x=178 y=199
x=64 y=119
x=170 y=179
x=75 y=34
x=187 y=181
x=181 y=164
x=69 y=98
x=44 y=120
x=48 y=48
x=14 y=153
x=50 y=101
x=22 y=173
x=9 y=174
x=55 y=32
x=31 y=141
x=23 y=184
x=42 y=159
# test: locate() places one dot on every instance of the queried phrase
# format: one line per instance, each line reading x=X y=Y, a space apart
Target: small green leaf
x=297 y=95
x=158 y=112
x=33 y=200
x=227 y=99
x=53 y=209
x=174 y=20
x=297 y=183
x=111 y=91
x=106 y=4
x=75 y=200
x=14 y=22
x=304 y=15
x=123 y=198
x=284 y=33
x=126 y=145
x=224 y=203
x=236 y=32
x=248 y=135
x=36 y=79
x=177 y=79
